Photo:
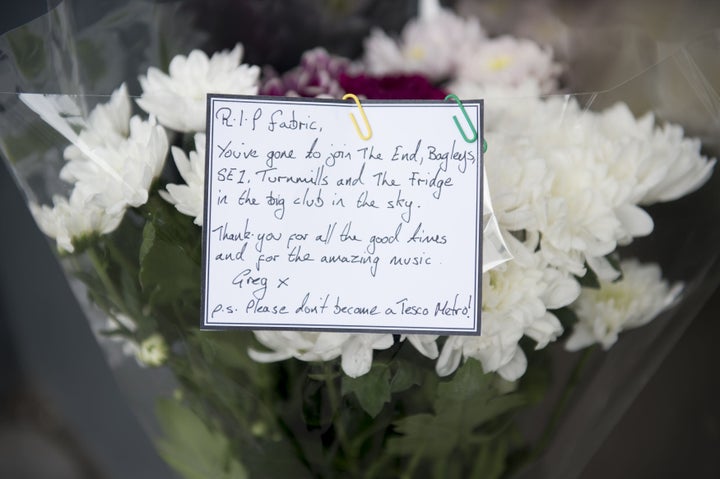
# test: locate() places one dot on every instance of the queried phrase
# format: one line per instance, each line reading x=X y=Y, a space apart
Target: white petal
x=356 y=357
x=635 y=221
x=450 y=357
x=602 y=268
x=268 y=356
x=515 y=368
x=425 y=344
x=544 y=330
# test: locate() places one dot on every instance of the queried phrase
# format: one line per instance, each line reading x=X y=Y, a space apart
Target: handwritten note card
x=308 y=226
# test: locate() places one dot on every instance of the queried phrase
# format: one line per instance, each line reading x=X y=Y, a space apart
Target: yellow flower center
x=416 y=53
x=500 y=62
x=617 y=294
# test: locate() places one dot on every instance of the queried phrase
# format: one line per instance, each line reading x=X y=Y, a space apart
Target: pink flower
x=317 y=75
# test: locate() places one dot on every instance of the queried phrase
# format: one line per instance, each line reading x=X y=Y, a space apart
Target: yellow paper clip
x=467 y=119
x=362 y=114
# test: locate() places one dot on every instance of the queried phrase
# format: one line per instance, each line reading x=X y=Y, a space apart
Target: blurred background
x=62 y=414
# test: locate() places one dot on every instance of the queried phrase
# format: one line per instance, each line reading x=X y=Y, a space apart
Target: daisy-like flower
x=516 y=299
x=433 y=45
x=178 y=99
x=631 y=302
x=71 y=219
x=510 y=62
x=189 y=198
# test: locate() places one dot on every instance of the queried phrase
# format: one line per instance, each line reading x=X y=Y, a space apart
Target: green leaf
x=406 y=376
x=372 y=390
x=464 y=408
x=469 y=380
x=147 y=242
x=419 y=432
x=166 y=271
x=169 y=255
x=191 y=448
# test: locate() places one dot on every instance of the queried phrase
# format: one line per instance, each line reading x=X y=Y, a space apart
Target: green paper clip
x=467 y=118
x=362 y=115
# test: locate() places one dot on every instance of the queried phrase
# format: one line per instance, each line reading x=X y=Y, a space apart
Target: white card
x=309 y=227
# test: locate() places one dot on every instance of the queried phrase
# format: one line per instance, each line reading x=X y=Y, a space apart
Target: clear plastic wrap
x=58 y=68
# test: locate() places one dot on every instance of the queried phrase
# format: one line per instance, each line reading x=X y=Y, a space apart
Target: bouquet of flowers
x=571 y=190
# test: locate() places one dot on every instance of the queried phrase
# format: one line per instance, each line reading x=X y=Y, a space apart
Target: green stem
x=121 y=258
x=368 y=432
x=105 y=279
x=334 y=398
x=376 y=466
x=112 y=292
x=413 y=464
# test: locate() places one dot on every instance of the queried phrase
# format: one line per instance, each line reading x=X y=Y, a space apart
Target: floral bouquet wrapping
x=600 y=223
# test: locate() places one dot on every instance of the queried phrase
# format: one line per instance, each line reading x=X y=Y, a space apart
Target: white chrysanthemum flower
x=518 y=181
x=111 y=165
x=153 y=351
x=633 y=301
x=107 y=126
x=662 y=162
x=121 y=175
x=189 y=198
x=355 y=349
x=649 y=164
x=545 y=178
x=178 y=99
x=433 y=45
x=679 y=157
x=510 y=62
x=516 y=298
x=576 y=178
x=73 y=218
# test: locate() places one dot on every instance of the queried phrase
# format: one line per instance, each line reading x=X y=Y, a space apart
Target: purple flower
x=391 y=87
x=316 y=75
